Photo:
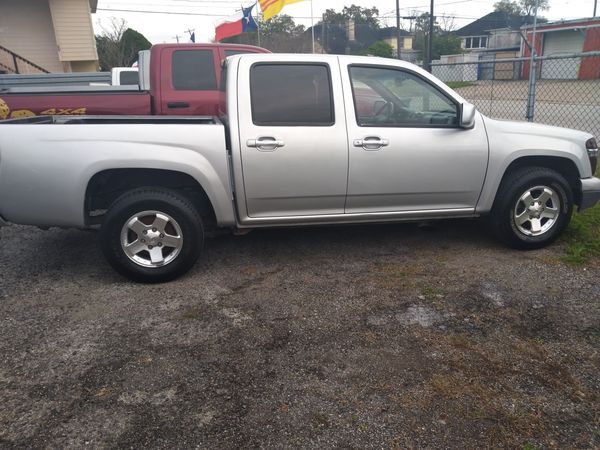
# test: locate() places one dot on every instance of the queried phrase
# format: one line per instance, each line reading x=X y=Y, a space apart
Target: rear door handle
x=265 y=143
x=371 y=143
x=174 y=105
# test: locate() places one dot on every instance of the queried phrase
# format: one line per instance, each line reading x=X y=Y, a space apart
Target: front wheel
x=152 y=235
x=532 y=208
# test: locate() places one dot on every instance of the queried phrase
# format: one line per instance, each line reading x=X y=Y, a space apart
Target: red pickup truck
x=175 y=79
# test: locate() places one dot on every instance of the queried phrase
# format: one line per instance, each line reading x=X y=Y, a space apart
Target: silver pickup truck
x=306 y=140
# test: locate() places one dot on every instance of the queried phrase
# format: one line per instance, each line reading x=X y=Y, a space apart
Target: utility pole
x=177 y=38
x=312 y=26
x=430 y=41
x=532 y=69
x=398 y=37
x=323 y=38
x=595 y=7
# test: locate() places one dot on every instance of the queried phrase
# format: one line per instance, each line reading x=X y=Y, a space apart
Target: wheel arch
x=105 y=186
x=561 y=164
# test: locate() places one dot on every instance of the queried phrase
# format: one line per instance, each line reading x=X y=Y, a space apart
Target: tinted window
x=291 y=94
x=194 y=70
x=390 y=97
x=129 y=77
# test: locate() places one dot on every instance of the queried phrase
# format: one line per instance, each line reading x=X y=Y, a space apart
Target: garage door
x=562 y=43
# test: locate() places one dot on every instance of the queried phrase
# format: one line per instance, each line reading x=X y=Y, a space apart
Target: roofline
x=566 y=22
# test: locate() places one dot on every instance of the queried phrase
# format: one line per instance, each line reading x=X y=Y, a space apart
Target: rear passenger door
x=293 y=142
x=189 y=83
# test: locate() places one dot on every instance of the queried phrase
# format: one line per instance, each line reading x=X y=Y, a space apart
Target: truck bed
x=67 y=89
x=60 y=158
x=99 y=120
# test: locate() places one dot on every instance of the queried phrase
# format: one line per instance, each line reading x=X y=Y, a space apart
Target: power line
x=185 y=13
x=142 y=11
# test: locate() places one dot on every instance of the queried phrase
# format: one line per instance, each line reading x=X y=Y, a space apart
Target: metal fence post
x=532 y=70
x=531 y=90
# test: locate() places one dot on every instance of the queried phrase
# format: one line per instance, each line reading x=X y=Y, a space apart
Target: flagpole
x=312 y=27
x=258 y=10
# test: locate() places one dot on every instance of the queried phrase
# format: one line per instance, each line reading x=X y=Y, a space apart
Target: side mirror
x=467 y=115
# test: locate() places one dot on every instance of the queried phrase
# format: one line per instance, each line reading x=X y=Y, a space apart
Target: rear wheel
x=152 y=235
x=532 y=208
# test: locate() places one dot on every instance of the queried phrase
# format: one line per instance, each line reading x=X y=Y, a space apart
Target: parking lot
x=394 y=336
x=564 y=103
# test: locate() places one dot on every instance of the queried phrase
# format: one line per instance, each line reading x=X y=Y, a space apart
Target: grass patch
x=459 y=84
x=583 y=236
x=191 y=314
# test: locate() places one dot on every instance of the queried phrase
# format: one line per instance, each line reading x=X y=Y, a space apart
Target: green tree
x=366 y=29
x=444 y=42
x=360 y=15
x=280 y=24
x=279 y=34
x=508 y=6
x=118 y=45
x=381 y=48
x=521 y=7
x=133 y=42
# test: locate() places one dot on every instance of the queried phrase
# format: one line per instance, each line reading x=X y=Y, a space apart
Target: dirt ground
x=391 y=336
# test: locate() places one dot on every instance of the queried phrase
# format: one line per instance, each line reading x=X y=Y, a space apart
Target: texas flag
x=236 y=24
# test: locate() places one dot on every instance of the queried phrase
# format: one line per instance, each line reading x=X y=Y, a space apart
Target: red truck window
x=193 y=70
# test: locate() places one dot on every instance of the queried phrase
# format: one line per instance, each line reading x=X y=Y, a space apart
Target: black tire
x=168 y=203
x=508 y=205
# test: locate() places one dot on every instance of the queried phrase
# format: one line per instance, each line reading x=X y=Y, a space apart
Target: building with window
x=389 y=35
x=561 y=42
x=496 y=31
x=47 y=36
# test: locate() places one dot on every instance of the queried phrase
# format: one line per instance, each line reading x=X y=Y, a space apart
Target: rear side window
x=129 y=77
x=291 y=95
x=193 y=70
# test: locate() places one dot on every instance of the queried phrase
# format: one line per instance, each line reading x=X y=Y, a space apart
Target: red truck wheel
x=152 y=235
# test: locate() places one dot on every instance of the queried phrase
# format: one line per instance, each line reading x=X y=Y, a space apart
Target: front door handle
x=265 y=143
x=371 y=143
x=174 y=105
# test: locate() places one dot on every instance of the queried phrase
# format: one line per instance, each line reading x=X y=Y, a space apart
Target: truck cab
x=185 y=78
x=173 y=80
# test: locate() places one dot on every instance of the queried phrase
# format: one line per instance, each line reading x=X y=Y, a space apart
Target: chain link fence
x=566 y=88
x=565 y=91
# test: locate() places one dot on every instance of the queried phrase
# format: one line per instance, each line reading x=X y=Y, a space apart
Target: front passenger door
x=407 y=152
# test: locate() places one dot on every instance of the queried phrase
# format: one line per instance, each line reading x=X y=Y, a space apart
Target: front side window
x=392 y=97
x=291 y=94
x=193 y=70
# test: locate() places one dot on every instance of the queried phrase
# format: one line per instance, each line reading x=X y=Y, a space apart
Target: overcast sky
x=173 y=17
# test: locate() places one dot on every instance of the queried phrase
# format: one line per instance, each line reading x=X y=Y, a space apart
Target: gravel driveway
x=390 y=336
